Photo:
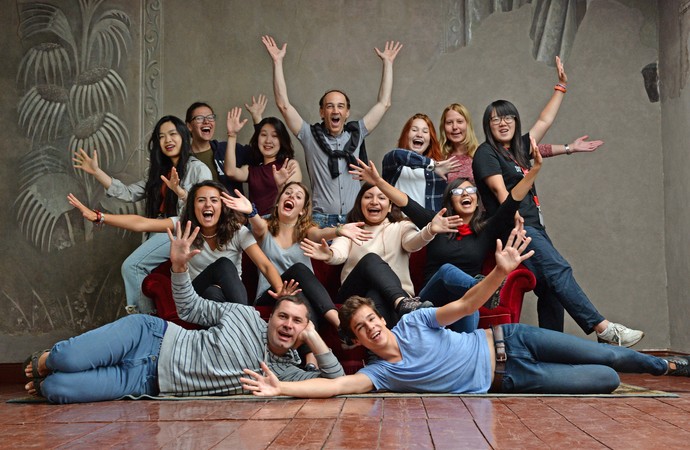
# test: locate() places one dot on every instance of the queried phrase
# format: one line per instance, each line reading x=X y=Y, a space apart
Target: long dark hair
x=357 y=215
x=505 y=108
x=478 y=221
x=286 y=150
x=227 y=222
x=160 y=164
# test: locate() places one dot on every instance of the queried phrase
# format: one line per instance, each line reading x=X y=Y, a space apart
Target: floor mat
x=624 y=390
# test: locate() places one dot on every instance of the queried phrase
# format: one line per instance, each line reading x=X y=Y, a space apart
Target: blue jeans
x=549 y=362
x=149 y=255
x=448 y=284
x=328 y=220
x=117 y=359
x=556 y=286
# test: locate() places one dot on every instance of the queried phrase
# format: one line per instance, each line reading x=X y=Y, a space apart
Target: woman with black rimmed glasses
x=453 y=260
x=501 y=162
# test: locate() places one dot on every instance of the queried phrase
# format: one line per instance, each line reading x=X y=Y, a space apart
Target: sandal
x=36 y=377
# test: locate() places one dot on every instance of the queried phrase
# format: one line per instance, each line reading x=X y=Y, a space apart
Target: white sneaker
x=618 y=334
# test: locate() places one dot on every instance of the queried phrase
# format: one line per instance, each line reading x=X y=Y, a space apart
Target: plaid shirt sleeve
x=396 y=159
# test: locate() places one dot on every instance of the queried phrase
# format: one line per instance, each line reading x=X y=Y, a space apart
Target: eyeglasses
x=507 y=119
x=459 y=191
x=200 y=119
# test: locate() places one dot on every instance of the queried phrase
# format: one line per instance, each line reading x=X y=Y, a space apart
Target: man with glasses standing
x=201 y=121
x=334 y=143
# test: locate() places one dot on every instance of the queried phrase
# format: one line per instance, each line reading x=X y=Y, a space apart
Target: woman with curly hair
x=280 y=236
x=216 y=271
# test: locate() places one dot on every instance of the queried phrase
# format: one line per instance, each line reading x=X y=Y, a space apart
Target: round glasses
x=201 y=119
x=459 y=191
x=507 y=119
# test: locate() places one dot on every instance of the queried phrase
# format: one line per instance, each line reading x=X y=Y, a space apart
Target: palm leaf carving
x=44 y=18
x=39 y=163
x=109 y=38
x=105 y=133
x=48 y=62
x=95 y=92
x=42 y=110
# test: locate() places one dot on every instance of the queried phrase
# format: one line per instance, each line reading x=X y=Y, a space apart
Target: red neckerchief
x=463 y=230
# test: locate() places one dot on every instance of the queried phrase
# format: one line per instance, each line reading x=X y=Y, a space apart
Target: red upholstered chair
x=508 y=310
x=157 y=286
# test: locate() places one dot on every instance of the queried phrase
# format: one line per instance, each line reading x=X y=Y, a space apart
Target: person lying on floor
x=145 y=355
x=420 y=355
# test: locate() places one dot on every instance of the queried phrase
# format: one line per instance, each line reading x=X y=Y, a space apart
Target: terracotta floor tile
x=254 y=434
x=203 y=435
x=405 y=433
x=321 y=408
x=362 y=407
x=354 y=433
x=281 y=409
x=303 y=434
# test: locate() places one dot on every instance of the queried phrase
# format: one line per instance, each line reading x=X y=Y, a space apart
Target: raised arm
x=268 y=385
x=234 y=125
x=131 y=222
x=256 y=108
x=289 y=171
x=507 y=259
x=373 y=117
x=82 y=161
x=369 y=174
x=549 y=112
x=292 y=118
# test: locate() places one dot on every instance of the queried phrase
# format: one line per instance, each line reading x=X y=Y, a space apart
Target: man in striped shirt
x=145 y=355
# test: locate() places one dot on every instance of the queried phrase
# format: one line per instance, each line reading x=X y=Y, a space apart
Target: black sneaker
x=682 y=366
x=495 y=298
x=345 y=341
x=407 y=305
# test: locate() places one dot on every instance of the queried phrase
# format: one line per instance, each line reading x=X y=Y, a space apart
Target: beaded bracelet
x=99 y=221
x=253 y=213
x=338 y=230
x=561 y=87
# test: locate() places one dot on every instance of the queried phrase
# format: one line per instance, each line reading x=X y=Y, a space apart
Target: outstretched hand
x=443 y=168
x=289 y=288
x=88 y=213
x=286 y=171
x=234 y=124
x=320 y=251
x=511 y=256
x=390 y=51
x=241 y=204
x=354 y=232
x=82 y=161
x=443 y=224
x=266 y=385
x=581 y=144
x=180 y=246
x=365 y=172
x=276 y=53
x=257 y=107
x=174 y=183
x=536 y=155
x=562 y=77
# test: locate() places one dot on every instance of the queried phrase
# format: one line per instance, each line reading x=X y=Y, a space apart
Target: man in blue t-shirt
x=420 y=355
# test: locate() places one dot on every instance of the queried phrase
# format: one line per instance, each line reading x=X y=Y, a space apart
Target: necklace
x=289 y=225
x=208 y=237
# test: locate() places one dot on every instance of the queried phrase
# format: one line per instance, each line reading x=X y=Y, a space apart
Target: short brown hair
x=297 y=300
x=349 y=309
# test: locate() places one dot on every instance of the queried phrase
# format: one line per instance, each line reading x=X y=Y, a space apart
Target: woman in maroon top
x=271 y=160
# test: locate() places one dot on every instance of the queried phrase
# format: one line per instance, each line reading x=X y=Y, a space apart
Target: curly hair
x=304 y=222
x=348 y=310
x=470 y=141
x=357 y=215
x=227 y=222
x=433 y=150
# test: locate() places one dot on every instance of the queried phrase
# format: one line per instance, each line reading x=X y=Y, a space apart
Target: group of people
x=460 y=199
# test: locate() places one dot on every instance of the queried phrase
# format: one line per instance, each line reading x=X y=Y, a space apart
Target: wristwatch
x=431 y=166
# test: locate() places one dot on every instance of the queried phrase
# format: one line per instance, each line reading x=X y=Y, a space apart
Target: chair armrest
x=518 y=282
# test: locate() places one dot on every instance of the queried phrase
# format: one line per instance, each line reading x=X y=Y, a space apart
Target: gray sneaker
x=682 y=364
x=621 y=335
x=410 y=304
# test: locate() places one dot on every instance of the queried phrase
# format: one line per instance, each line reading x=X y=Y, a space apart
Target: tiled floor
x=474 y=423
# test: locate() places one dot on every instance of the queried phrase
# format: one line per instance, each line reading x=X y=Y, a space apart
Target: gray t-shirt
x=282 y=259
x=331 y=195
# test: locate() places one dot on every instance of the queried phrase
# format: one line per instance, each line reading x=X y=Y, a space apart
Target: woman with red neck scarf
x=454 y=259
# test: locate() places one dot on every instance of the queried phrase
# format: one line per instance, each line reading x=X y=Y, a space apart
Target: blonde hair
x=470 y=141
